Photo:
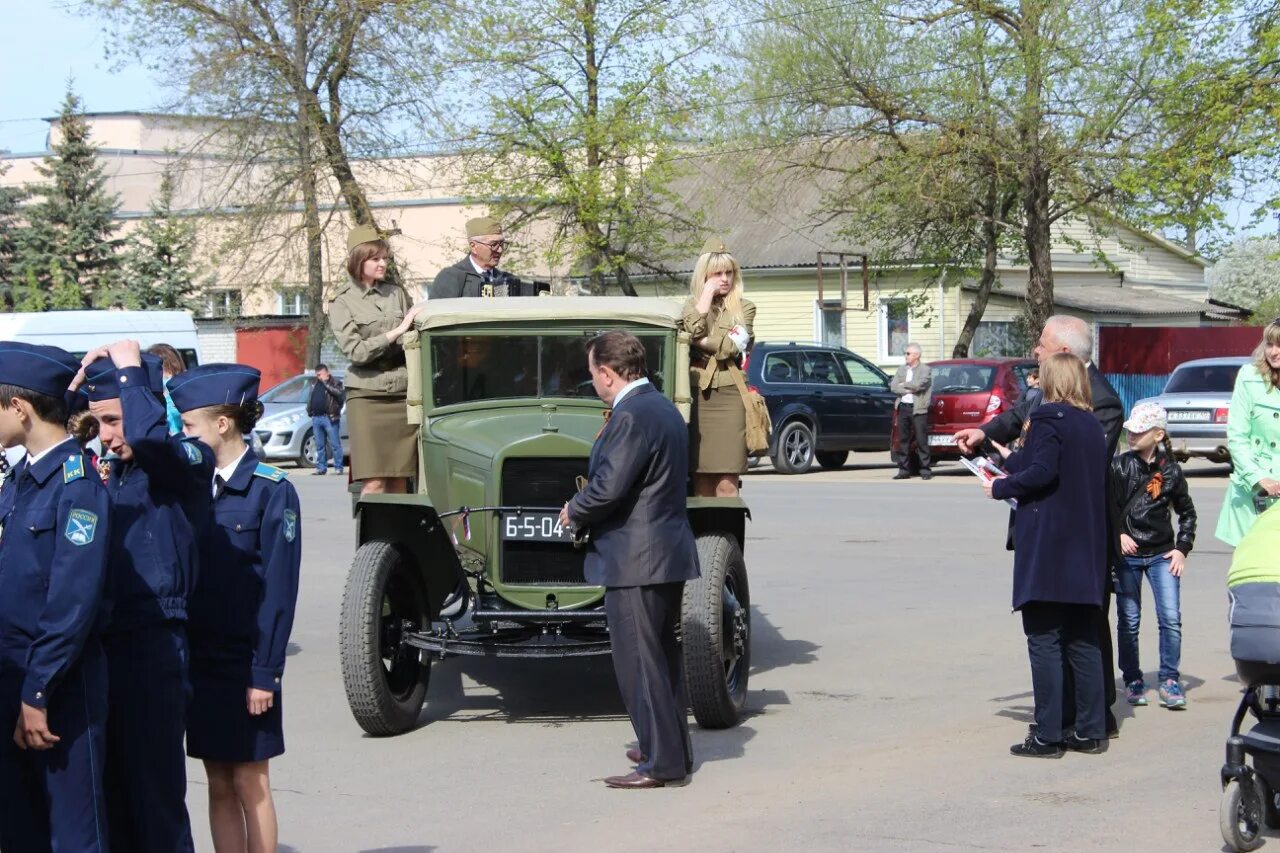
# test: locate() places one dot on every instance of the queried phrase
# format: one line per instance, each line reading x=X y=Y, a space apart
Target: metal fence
x=1132 y=387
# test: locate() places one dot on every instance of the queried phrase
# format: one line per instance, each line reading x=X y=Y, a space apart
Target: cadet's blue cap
x=214 y=385
x=44 y=370
x=101 y=378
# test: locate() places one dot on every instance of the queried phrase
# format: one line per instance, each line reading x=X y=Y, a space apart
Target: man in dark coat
x=1064 y=333
x=642 y=551
x=477 y=274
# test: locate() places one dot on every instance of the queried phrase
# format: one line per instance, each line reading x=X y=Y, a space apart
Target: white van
x=78 y=332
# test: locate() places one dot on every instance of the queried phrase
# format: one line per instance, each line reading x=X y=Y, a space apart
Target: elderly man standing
x=1063 y=333
x=641 y=551
x=911 y=384
x=477 y=274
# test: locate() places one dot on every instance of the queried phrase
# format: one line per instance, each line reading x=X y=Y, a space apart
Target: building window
x=1000 y=338
x=895 y=331
x=293 y=302
x=830 y=322
x=222 y=303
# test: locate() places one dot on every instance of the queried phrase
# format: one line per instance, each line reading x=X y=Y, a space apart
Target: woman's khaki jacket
x=360 y=319
x=715 y=373
x=1253 y=438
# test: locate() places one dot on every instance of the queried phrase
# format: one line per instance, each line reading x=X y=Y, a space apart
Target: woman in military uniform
x=369 y=317
x=1253 y=433
x=720 y=322
x=242 y=609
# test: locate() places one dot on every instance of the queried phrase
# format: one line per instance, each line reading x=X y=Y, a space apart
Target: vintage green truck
x=474 y=561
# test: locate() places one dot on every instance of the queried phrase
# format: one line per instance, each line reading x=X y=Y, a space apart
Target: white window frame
x=882 y=330
x=298 y=295
x=217 y=303
x=818 y=317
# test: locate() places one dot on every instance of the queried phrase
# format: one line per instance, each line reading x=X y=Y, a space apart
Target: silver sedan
x=285 y=426
x=1197 y=397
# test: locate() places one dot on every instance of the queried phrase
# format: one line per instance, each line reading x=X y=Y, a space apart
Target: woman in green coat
x=1253 y=437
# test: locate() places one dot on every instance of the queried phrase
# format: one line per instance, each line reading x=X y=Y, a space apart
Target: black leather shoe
x=902 y=475
x=1087 y=745
x=1033 y=747
x=926 y=474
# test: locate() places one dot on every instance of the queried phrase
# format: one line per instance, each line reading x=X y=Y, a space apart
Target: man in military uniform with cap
x=477 y=274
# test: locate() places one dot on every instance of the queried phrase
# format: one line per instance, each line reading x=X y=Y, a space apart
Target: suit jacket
x=634 y=501
x=461 y=279
x=921 y=380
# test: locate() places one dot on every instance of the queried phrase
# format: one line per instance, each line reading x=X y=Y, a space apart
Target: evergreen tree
x=10 y=225
x=159 y=260
x=27 y=295
x=72 y=221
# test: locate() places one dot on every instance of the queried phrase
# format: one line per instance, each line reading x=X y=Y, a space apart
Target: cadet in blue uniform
x=159 y=486
x=53 y=563
x=242 y=609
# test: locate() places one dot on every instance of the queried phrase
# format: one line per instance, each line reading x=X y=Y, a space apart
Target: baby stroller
x=1249 y=791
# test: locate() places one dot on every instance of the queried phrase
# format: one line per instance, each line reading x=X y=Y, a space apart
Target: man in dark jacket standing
x=1063 y=333
x=642 y=551
x=477 y=274
x=324 y=407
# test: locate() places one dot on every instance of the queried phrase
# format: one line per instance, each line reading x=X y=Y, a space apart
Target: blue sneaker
x=1135 y=693
x=1171 y=695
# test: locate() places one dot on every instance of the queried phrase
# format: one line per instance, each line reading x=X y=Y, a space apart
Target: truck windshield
x=502 y=367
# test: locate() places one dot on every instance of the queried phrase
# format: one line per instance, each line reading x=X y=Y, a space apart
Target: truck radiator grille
x=542 y=483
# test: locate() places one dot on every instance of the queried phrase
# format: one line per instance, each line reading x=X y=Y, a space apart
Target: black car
x=824 y=401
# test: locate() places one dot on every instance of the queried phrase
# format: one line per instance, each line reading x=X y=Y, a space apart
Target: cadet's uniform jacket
x=245 y=598
x=53 y=564
x=714 y=373
x=160 y=505
x=360 y=318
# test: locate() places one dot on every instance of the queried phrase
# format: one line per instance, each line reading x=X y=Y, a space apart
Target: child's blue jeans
x=1165 y=587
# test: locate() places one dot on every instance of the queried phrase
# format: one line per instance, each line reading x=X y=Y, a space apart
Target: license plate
x=942 y=440
x=1190 y=415
x=534 y=527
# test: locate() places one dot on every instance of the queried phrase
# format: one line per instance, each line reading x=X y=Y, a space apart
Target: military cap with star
x=102 y=378
x=214 y=385
x=483 y=226
x=41 y=369
x=715 y=246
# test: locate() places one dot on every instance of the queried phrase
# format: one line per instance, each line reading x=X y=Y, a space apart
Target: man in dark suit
x=642 y=551
x=1063 y=333
x=477 y=274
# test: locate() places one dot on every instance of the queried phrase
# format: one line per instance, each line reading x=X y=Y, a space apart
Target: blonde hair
x=707 y=266
x=1270 y=335
x=1065 y=379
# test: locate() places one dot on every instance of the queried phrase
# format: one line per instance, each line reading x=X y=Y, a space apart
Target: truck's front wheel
x=715 y=630
x=385 y=678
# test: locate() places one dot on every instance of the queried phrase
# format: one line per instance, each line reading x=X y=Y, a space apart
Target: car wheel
x=385 y=678
x=307 y=458
x=833 y=460
x=715 y=633
x=795 y=448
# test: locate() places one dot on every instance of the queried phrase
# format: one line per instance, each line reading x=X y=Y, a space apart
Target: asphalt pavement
x=888 y=680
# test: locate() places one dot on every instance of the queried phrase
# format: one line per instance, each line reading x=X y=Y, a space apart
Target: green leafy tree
x=575 y=114
x=1247 y=273
x=160 y=258
x=71 y=221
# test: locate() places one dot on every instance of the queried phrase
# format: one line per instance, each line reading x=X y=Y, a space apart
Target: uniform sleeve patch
x=194 y=456
x=290 y=525
x=81 y=527
x=72 y=469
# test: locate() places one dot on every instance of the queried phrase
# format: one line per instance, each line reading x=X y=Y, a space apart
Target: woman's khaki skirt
x=383 y=442
x=718 y=434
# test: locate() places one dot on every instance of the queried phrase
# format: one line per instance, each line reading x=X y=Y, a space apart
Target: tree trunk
x=991 y=256
x=623 y=277
x=312 y=228
x=1035 y=170
x=1038 y=238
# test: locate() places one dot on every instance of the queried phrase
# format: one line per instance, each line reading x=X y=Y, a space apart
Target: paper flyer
x=987 y=471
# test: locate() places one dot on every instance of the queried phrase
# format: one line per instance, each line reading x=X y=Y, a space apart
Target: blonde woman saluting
x=720 y=322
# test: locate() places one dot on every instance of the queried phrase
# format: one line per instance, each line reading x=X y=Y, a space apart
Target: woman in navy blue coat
x=1060 y=554
x=242 y=608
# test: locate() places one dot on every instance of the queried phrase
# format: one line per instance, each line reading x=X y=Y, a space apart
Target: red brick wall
x=1157 y=350
x=277 y=352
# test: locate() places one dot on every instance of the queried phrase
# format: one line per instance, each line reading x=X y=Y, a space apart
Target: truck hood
x=490 y=432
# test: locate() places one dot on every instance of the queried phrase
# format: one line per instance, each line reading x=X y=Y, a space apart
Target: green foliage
x=69 y=240
x=10 y=239
x=1248 y=272
x=160 y=258
x=28 y=295
x=573 y=118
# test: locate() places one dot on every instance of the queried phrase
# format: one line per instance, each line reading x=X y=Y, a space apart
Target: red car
x=968 y=392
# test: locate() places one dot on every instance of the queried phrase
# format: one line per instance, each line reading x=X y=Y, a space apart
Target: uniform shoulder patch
x=269 y=472
x=73 y=468
x=81 y=526
x=290 y=525
x=194 y=454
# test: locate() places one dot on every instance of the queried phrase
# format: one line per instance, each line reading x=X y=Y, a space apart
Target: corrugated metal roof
x=1105 y=299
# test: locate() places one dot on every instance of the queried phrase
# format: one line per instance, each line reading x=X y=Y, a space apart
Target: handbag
x=759 y=425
